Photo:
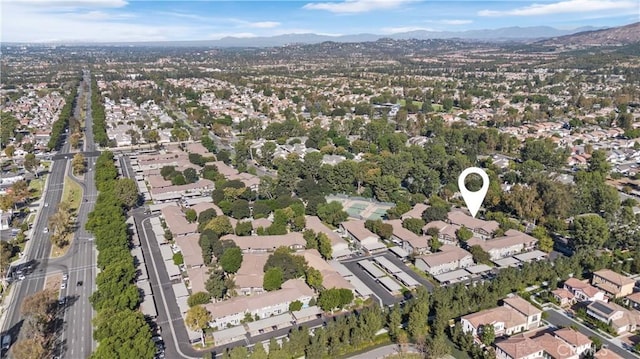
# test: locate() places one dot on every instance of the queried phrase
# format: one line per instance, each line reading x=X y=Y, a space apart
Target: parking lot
x=378 y=289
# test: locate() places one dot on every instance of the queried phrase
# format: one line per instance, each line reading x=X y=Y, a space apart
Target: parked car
x=63 y=285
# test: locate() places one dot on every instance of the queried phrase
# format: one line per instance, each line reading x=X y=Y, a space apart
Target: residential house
x=230 y=312
x=191 y=251
x=177 y=222
x=250 y=276
x=583 y=291
x=505 y=321
x=265 y=244
x=633 y=300
x=481 y=228
x=362 y=237
x=614 y=284
x=330 y=276
x=578 y=342
x=519 y=347
x=513 y=242
x=447 y=259
x=533 y=314
x=563 y=296
x=415 y=212
x=619 y=318
x=446 y=231
x=339 y=247
x=409 y=241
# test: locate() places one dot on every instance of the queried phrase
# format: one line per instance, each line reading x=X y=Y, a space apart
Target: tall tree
x=198 y=319
x=78 y=163
x=31 y=163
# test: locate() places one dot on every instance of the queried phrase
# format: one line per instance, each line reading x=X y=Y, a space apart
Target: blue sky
x=134 y=20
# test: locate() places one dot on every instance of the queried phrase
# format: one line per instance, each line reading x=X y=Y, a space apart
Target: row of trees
x=39 y=311
x=120 y=328
x=98 y=115
x=62 y=123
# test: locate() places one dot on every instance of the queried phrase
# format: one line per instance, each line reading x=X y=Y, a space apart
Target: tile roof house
x=446 y=231
x=191 y=251
x=177 y=222
x=563 y=296
x=619 y=318
x=514 y=316
x=339 y=246
x=264 y=244
x=533 y=314
x=505 y=321
x=519 y=347
x=633 y=300
x=330 y=277
x=614 y=284
x=513 y=242
x=447 y=259
x=583 y=291
x=362 y=237
x=230 y=312
x=415 y=212
x=410 y=241
x=249 y=278
x=578 y=342
x=483 y=229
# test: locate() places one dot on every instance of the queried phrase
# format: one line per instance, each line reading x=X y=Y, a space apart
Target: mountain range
x=502 y=34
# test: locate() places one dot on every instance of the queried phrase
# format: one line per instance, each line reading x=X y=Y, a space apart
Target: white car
x=46 y=230
x=21 y=277
x=65 y=276
x=46 y=204
x=63 y=285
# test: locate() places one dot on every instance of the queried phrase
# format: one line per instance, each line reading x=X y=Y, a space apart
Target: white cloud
x=564 y=7
x=264 y=24
x=455 y=22
x=356 y=6
x=73 y=3
x=241 y=35
x=400 y=29
x=22 y=23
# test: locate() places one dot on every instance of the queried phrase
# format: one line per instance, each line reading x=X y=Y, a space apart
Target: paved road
x=37 y=253
x=77 y=339
x=559 y=319
x=385 y=351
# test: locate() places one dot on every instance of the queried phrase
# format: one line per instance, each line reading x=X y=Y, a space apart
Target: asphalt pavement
x=75 y=335
x=559 y=319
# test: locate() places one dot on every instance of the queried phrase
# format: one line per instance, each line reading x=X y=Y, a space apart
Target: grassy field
x=418 y=104
x=36 y=185
x=72 y=194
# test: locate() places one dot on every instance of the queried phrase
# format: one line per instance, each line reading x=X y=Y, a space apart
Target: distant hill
x=623 y=35
x=526 y=34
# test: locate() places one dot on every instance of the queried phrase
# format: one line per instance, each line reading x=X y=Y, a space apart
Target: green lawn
x=418 y=104
x=72 y=193
x=36 y=185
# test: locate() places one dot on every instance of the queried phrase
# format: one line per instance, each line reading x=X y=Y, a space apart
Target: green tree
x=126 y=190
x=314 y=278
x=463 y=234
x=590 y=232
x=231 y=260
x=198 y=319
x=198 y=298
x=220 y=226
x=191 y=215
x=414 y=225
x=244 y=228
x=216 y=285
x=178 y=259
x=545 y=242
x=332 y=213
x=435 y=213
x=324 y=246
x=480 y=255
x=31 y=163
x=487 y=334
x=295 y=306
x=273 y=279
x=78 y=163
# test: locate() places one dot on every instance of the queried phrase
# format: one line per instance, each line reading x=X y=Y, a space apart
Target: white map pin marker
x=473 y=199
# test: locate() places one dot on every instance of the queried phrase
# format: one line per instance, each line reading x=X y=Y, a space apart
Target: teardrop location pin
x=473 y=200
